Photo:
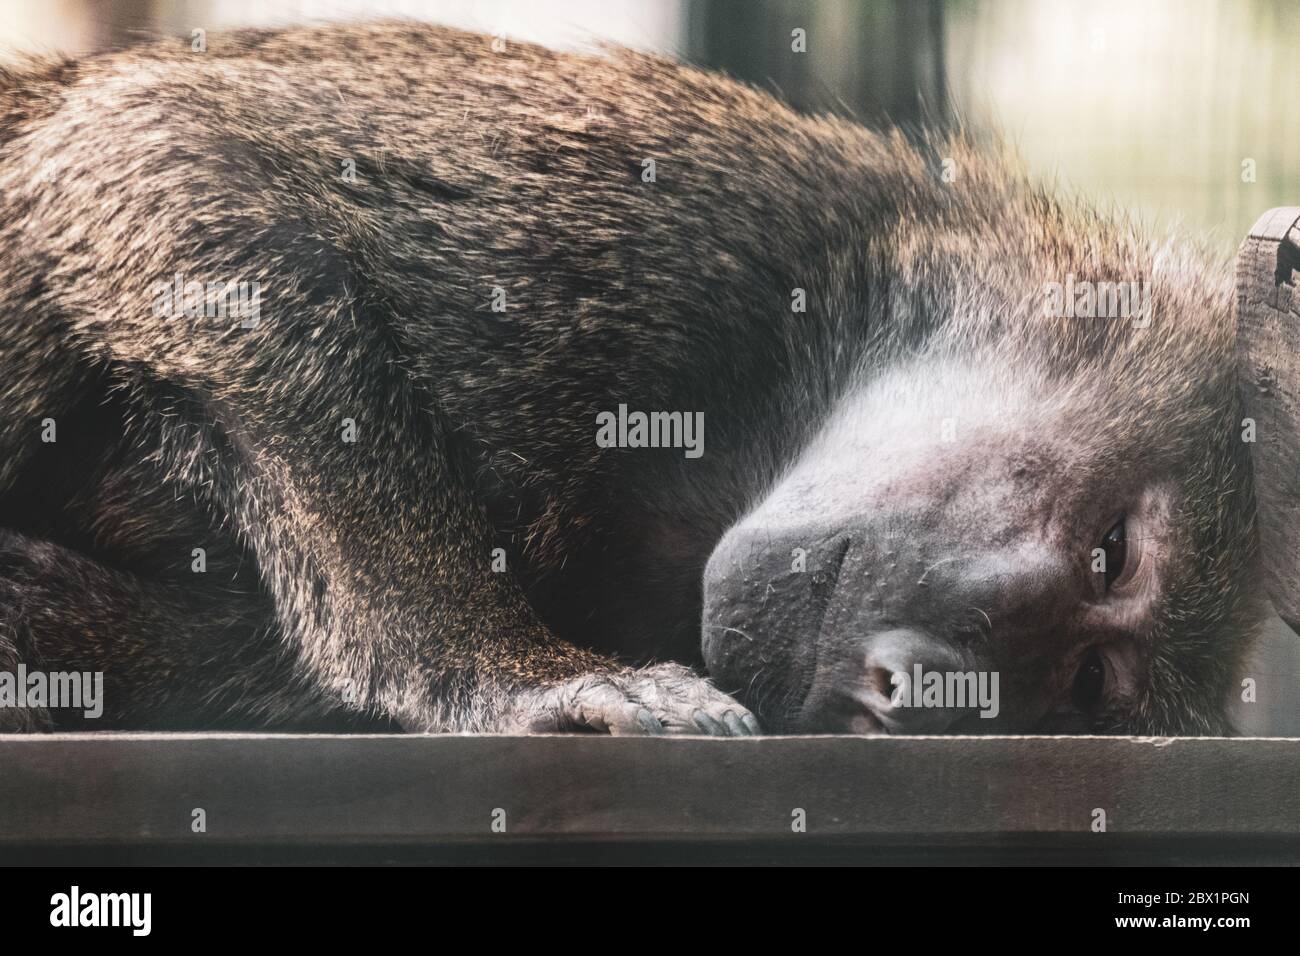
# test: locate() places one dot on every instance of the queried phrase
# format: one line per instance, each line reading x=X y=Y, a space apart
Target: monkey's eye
x=1114 y=545
x=1088 y=692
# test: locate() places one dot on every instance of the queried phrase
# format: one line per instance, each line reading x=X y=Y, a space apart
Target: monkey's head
x=1018 y=522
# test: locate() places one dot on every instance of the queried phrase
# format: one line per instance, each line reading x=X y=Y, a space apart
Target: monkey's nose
x=909 y=680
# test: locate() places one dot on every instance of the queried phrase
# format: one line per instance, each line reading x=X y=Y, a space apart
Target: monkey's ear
x=1268 y=357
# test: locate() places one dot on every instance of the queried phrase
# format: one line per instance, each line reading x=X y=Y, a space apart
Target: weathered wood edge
x=1268 y=337
x=319 y=789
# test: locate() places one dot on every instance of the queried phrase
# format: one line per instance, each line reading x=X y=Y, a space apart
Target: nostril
x=909 y=657
x=881 y=680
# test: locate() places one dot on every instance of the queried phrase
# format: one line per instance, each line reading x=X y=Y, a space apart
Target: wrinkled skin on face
x=1059 y=507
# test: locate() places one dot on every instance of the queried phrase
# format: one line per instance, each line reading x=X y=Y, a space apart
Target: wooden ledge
x=130 y=796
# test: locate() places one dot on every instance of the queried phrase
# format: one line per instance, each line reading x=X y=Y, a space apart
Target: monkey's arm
x=336 y=475
x=334 y=472
x=1268 y=329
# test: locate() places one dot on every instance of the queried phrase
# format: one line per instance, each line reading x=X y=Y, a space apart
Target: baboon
x=372 y=374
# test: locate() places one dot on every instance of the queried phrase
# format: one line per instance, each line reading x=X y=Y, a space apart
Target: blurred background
x=1172 y=109
x=1156 y=104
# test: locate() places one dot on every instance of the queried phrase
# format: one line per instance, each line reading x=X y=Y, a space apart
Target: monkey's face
x=964 y=549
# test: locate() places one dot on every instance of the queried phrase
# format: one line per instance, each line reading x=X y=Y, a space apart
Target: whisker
x=723 y=628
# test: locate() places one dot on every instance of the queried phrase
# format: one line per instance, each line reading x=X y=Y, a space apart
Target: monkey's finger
x=687 y=703
x=734 y=725
x=604 y=706
x=709 y=725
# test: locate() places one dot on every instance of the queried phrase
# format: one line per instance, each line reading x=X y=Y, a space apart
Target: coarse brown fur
x=356 y=577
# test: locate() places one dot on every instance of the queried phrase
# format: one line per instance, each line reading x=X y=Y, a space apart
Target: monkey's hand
x=665 y=698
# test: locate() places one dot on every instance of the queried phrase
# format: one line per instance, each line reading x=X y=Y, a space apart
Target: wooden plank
x=293 y=790
x=1268 y=335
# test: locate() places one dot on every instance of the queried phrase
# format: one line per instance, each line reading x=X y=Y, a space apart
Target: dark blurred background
x=1173 y=109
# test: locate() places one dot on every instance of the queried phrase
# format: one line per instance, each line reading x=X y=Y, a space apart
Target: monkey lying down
x=366 y=373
